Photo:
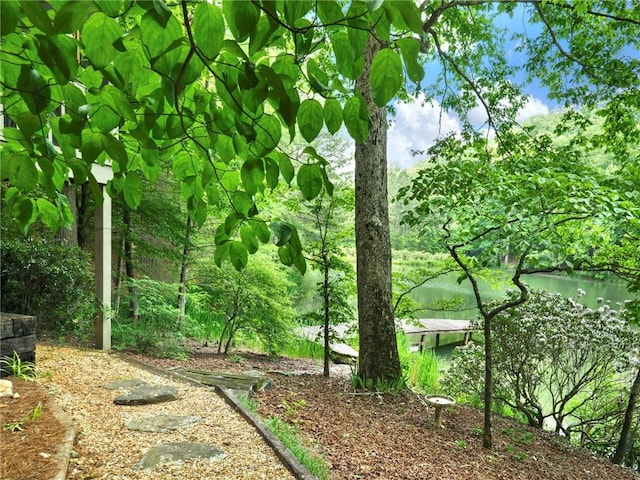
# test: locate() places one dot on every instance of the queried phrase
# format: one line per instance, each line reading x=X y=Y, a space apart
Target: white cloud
x=415 y=127
x=533 y=107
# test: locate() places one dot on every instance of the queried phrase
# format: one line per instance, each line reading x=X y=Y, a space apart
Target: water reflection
x=447 y=287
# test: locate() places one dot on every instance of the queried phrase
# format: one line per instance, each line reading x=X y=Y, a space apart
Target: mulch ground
x=30 y=435
x=360 y=435
x=385 y=436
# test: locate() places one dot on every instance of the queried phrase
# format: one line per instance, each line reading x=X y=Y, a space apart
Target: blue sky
x=417 y=125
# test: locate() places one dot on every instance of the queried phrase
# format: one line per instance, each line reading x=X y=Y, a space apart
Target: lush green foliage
x=18 y=368
x=420 y=370
x=51 y=281
x=254 y=302
x=219 y=87
x=160 y=329
x=558 y=364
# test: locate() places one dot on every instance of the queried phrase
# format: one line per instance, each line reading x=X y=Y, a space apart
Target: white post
x=103 y=271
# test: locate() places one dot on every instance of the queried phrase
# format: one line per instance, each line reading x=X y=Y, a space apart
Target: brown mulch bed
x=28 y=440
x=360 y=435
x=385 y=436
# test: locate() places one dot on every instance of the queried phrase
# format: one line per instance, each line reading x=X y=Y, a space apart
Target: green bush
x=161 y=329
x=52 y=281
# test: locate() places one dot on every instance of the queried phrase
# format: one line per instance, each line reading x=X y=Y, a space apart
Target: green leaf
x=115 y=149
x=386 y=76
x=222 y=252
x=310 y=180
x=28 y=123
x=252 y=174
x=34 y=89
x=329 y=11
x=25 y=213
x=286 y=167
x=373 y=5
x=317 y=78
x=296 y=10
x=9 y=16
x=332 y=115
x=36 y=13
x=48 y=213
x=183 y=166
x=356 y=118
x=238 y=255
x=71 y=16
x=111 y=7
x=264 y=29
x=410 y=48
x=405 y=15
x=249 y=240
x=268 y=134
x=285 y=254
x=117 y=100
x=346 y=62
x=24 y=174
x=242 y=203
x=98 y=35
x=282 y=231
x=272 y=172
x=229 y=178
x=242 y=18
x=160 y=38
x=261 y=230
x=92 y=145
x=208 y=29
x=310 y=119
x=133 y=189
x=224 y=148
x=300 y=263
x=59 y=53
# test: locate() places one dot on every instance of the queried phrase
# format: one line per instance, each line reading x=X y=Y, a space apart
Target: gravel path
x=107 y=449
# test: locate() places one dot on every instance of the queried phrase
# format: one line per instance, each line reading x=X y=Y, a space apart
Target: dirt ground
x=368 y=436
x=360 y=435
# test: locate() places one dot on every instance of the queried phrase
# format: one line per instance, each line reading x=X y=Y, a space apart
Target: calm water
x=447 y=287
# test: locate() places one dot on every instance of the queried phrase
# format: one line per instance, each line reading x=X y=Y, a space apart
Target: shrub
x=161 y=329
x=54 y=282
x=557 y=363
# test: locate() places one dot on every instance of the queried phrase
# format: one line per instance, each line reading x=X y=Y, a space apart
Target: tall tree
x=326 y=224
x=221 y=85
x=491 y=197
x=379 y=359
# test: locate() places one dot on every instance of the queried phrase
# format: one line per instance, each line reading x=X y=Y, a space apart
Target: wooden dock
x=421 y=326
x=436 y=326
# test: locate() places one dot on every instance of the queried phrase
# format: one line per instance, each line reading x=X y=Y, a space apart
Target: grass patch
x=291 y=438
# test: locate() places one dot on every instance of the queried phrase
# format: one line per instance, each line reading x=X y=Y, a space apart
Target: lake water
x=447 y=287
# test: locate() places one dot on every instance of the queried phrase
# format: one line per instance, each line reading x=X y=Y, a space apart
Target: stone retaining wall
x=17 y=334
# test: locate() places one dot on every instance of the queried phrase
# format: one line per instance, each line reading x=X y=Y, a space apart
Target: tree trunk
x=326 y=299
x=134 y=312
x=83 y=215
x=184 y=269
x=379 y=359
x=623 y=442
x=487 y=436
x=118 y=280
x=69 y=236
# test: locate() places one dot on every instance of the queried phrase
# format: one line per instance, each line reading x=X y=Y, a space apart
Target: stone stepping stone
x=126 y=384
x=162 y=423
x=178 y=453
x=251 y=381
x=146 y=395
